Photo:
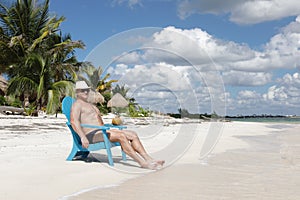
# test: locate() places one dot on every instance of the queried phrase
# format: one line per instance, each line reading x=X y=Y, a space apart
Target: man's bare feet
x=150 y=165
x=154 y=164
x=160 y=162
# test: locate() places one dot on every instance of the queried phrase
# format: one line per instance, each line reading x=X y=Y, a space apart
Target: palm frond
x=42 y=16
x=18 y=85
x=38 y=40
x=53 y=101
x=59 y=89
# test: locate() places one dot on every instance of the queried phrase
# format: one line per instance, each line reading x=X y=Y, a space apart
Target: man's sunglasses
x=84 y=90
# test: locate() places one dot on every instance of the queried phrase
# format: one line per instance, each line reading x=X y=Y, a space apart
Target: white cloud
x=130 y=3
x=166 y=66
x=132 y=57
x=248 y=97
x=240 y=65
x=189 y=7
x=242 y=11
x=119 y=70
x=276 y=94
x=163 y=75
x=282 y=98
x=282 y=51
x=189 y=47
x=164 y=86
x=238 y=78
x=287 y=90
x=247 y=102
x=198 y=46
x=289 y=79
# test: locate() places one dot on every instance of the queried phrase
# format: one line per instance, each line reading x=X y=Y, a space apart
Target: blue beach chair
x=77 y=148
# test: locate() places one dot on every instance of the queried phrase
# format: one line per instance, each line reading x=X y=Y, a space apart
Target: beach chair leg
x=72 y=154
x=123 y=155
x=108 y=146
x=109 y=156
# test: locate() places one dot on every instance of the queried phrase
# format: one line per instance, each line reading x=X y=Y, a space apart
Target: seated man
x=84 y=112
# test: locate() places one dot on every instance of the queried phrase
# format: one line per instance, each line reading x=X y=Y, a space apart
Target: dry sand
x=250 y=161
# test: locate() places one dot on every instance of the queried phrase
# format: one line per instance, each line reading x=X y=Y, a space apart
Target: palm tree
x=63 y=59
x=104 y=85
x=92 y=76
x=40 y=62
x=121 y=90
x=46 y=91
x=23 y=26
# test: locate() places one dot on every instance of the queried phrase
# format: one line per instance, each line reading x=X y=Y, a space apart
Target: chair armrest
x=115 y=126
x=94 y=126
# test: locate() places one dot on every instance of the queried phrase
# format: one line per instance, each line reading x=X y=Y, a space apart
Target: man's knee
x=134 y=135
x=131 y=134
x=122 y=136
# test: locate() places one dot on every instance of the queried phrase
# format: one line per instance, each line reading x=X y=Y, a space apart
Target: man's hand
x=85 y=143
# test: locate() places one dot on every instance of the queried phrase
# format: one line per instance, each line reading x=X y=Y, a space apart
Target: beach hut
x=117 y=101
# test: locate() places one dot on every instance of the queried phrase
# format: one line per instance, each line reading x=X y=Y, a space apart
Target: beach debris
x=10 y=110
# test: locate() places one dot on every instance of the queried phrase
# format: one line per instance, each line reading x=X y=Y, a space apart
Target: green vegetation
x=2 y=100
x=103 y=107
x=184 y=113
x=15 y=102
x=30 y=110
x=40 y=62
x=138 y=111
x=133 y=110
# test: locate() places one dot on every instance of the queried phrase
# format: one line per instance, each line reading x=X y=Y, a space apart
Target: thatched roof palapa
x=117 y=101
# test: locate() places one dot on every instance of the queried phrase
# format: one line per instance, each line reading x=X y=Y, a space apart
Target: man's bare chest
x=88 y=110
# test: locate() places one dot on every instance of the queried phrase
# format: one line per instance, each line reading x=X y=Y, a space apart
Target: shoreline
x=33 y=153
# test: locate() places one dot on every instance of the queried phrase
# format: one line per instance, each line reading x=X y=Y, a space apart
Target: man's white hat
x=81 y=85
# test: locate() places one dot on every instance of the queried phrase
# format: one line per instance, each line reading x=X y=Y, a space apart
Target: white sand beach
x=249 y=161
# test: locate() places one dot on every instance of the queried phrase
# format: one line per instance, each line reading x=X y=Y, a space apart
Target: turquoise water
x=269 y=119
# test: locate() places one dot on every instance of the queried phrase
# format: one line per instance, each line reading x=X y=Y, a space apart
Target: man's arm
x=75 y=122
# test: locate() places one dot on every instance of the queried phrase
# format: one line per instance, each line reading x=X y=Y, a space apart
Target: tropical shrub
x=2 y=100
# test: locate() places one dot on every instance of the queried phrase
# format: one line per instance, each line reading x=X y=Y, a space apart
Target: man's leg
x=136 y=144
x=139 y=148
x=119 y=136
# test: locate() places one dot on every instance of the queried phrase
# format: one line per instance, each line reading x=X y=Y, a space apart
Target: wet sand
x=269 y=168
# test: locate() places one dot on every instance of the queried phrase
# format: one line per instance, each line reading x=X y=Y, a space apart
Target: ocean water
x=292 y=120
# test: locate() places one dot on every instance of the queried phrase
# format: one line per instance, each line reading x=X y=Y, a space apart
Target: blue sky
x=243 y=56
